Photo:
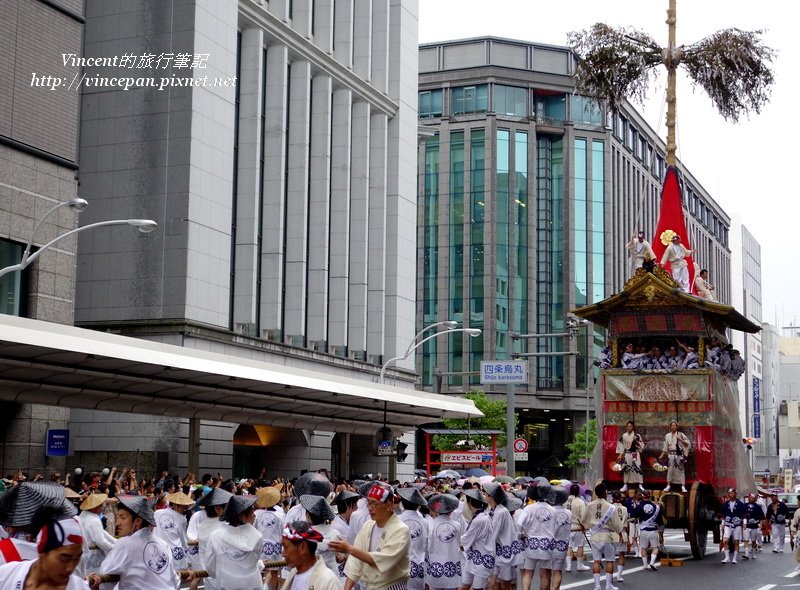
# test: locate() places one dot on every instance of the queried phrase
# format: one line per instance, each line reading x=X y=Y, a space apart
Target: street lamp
x=143 y=225
x=473 y=332
x=450 y=328
x=574 y=324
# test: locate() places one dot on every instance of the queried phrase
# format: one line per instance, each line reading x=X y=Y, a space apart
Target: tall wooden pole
x=671 y=59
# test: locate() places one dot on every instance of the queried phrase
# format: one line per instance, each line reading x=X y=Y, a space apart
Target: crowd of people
x=436 y=534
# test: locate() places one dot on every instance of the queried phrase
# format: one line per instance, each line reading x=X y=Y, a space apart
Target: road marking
x=767 y=587
x=792 y=574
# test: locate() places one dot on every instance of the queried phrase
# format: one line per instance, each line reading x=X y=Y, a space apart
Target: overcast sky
x=749 y=168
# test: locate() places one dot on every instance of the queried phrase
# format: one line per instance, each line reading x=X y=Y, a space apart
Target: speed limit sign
x=520 y=445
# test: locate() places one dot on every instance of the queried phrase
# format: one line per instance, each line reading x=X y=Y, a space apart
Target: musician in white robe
x=269 y=522
x=676 y=449
x=140 y=558
x=676 y=254
x=629 y=449
x=603 y=523
x=640 y=251
x=505 y=534
x=703 y=287
x=213 y=504
x=444 y=553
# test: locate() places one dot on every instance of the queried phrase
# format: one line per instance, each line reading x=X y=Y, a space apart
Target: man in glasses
x=378 y=556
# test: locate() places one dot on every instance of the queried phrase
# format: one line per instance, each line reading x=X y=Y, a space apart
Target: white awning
x=54 y=364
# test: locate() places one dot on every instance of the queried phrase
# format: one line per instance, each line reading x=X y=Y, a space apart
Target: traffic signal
x=401 y=448
x=749 y=441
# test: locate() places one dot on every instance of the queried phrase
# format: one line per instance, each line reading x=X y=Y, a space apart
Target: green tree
x=494 y=418
x=580 y=449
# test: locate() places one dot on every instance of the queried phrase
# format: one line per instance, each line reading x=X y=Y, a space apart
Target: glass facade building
x=539 y=193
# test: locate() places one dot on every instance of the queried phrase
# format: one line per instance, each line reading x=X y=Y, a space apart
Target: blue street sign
x=756 y=395
x=57 y=443
x=756 y=425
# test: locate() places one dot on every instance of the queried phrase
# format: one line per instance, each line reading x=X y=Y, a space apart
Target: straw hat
x=179 y=498
x=18 y=505
x=139 y=506
x=496 y=492
x=514 y=503
x=93 y=501
x=216 y=497
x=475 y=495
x=267 y=497
x=71 y=494
x=344 y=496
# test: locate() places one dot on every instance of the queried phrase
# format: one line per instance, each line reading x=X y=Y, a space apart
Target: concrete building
x=789 y=387
x=274 y=143
x=38 y=163
x=528 y=194
x=771 y=390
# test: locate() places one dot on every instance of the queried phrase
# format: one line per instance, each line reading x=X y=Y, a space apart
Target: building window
x=551 y=108
x=470 y=99
x=509 y=100
x=430 y=104
x=430 y=254
x=12 y=285
x=585 y=110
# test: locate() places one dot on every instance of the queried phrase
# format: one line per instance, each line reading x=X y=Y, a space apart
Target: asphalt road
x=769 y=570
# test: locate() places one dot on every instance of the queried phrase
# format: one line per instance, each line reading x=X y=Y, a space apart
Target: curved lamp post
x=143 y=225
x=473 y=332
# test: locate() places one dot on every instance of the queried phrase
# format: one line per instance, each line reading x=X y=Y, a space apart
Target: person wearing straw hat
x=299 y=542
x=60 y=547
x=379 y=555
x=269 y=523
x=96 y=541
x=411 y=500
x=171 y=525
x=314 y=484
x=319 y=514
x=443 y=570
x=140 y=558
x=213 y=505
x=233 y=552
x=18 y=507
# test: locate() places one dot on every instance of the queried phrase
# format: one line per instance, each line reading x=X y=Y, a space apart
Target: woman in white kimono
x=60 y=546
x=411 y=499
x=676 y=449
x=504 y=531
x=629 y=454
x=139 y=559
x=233 y=551
x=97 y=543
x=213 y=504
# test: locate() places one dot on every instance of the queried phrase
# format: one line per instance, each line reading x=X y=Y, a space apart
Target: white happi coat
x=639 y=252
x=506 y=536
x=269 y=523
x=444 y=553
x=676 y=255
x=204 y=530
x=357 y=519
x=193 y=551
x=142 y=560
x=232 y=557
x=93 y=535
x=561 y=532
x=171 y=528
x=418 y=534
x=538 y=526
x=478 y=543
x=323 y=549
x=630 y=445
x=13 y=575
x=676 y=446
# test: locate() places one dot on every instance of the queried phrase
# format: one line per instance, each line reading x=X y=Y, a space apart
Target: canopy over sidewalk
x=54 y=364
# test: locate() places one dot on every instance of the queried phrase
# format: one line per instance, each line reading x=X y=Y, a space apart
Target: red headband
x=379 y=493
x=309 y=534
